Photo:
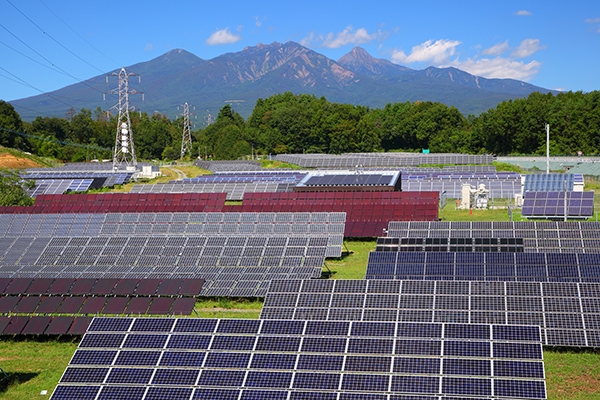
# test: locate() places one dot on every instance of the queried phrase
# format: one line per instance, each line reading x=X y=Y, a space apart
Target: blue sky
x=46 y=45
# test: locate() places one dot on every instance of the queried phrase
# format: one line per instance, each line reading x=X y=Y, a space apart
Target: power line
x=50 y=36
x=78 y=35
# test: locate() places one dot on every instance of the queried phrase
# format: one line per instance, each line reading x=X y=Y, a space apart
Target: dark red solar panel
x=36 y=325
x=61 y=286
x=183 y=306
x=191 y=287
x=7 y=303
x=138 y=305
x=125 y=286
x=49 y=305
x=103 y=286
x=80 y=325
x=27 y=304
x=147 y=287
x=93 y=305
x=40 y=286
x=3 y=323
x=4 y=282
x=18 y=286
x=59 y=326
x=83 y=286
x=116 y=305
x=15 y=325
x=161 y=305
x=169 y=287
x=70 y=305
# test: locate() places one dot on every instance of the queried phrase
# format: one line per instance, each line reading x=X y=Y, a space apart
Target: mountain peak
x=360 y=61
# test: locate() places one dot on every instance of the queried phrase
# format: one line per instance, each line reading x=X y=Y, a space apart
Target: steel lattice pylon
x=124 y=151
x=186 y=140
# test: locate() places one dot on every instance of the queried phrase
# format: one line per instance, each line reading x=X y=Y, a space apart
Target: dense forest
x=288 y=123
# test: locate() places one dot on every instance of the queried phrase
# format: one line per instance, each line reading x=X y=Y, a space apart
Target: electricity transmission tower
x=124 y=151
x=186 y=140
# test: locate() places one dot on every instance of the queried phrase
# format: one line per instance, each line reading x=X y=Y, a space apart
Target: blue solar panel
x=84 y=375
x=137 y=358
x=182 y=359
x=312 y=380
x=65 y=392
x=171 y=393
x=185 y=377
x=139 y=376
x=189 y=342
x=227 y=360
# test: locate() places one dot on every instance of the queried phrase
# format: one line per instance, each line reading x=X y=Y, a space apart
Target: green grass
x=33 y=365
x=572 y=374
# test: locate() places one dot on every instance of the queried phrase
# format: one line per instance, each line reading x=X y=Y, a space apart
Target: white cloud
x=149 y=47
x=343 y=38
x=523 y=13
x=499 y=67
x=594 y=21
x=496 y=49
x=527 y=48
x=442 y=53
x=438 y=52
x=222 y=36
x=258 y=21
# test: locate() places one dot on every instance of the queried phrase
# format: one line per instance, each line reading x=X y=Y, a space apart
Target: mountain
x=260 y=71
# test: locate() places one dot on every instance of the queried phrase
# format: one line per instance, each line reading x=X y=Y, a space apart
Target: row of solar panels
x=226 y=359
x=235 y=191
x=93 y=287
x=96 y=305
x=554 y=205
x=536 y=267
x=568 y=313
x=384 y=159
x=499 y=189
x=301 y=225
x=520 y=229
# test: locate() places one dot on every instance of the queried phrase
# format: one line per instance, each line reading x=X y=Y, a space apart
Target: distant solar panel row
x=499 y=245
x=538 y=237
x=236 y=264
x=122 y=202
x=179 y=224
x=234 y=191
x=568 y=313
x=381 y=159
x=96 y=305
x=285 y=359
x=59 y=186
x=552 y=204
x=551 y=182
x=229 y=165
x=535 y=267
x=44 y=325
x=92 y=286
x=367 y=213
x=383 y=179
x=278 y=177
x=498 y=189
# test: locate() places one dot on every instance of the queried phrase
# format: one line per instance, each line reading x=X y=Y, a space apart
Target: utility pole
x=124 y=151
x=186 y=140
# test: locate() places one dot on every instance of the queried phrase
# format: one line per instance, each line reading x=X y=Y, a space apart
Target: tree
x=12 y=192
x=10 y=120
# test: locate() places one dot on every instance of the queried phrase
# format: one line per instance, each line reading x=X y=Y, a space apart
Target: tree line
x=289 y=123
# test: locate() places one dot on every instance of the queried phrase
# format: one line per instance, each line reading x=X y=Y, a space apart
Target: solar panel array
x=229 y=165
x=535 y=267
x=59 y=186
x=44 y=325
x=551 y=182
x=241 y=177
x=231 y=266
x=48 y=297
x=358 y=180
x=538 y=236
x=367 y=213
x=381 y=159
x=498 y=188
x=122 y=202
x=552 y=204
x=179 y=224
x=568 y=313
x=286 y=359
x=234 y=191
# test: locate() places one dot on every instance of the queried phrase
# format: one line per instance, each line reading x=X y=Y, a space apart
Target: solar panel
x=242 y=358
